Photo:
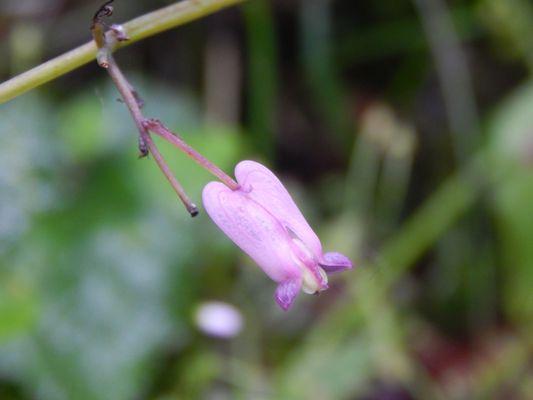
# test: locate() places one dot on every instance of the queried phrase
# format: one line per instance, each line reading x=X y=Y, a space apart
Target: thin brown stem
x=131 y=99
x=189 y=205
x=146 y=142
x=158 y=128
x=106 y=44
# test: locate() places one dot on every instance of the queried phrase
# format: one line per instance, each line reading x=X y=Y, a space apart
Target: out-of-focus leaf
x=366 y=341
x=510 y=21
x=318 y=64
x=201 y=370
x=263 y=80
x=104 y=313
x=81 y=127
x=328 y=372
x=221 y=146
x=29 y=158
x=18 y=309
x=96 y=123
x=115 y=264
x=512 y=147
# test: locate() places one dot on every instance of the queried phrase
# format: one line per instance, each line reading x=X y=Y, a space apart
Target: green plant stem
x=455 y=196
x=263 y=76
x=454 y=76
x=137 y=29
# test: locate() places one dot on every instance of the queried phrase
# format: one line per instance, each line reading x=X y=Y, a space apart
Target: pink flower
x=262 y=219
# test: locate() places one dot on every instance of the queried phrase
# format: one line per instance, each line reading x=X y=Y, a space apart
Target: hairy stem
x=137 y=29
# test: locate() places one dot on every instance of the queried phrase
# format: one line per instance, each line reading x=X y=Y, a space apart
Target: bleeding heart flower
x=262 y=219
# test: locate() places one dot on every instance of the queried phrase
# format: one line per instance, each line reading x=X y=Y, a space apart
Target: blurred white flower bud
x=218 y=319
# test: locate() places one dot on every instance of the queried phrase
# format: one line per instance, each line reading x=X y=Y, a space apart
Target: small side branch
x=158 y=128
x=106 y=43
x=130 y=97
x=192 y=209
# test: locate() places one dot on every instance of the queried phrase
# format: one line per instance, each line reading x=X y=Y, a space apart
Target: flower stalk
x=159 y=129
x=106 y=43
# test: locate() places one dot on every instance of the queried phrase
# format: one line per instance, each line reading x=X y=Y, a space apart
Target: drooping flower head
x=262 y=219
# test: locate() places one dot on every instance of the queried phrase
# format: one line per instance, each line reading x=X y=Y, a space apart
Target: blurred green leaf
x=328 y=372
x=512 y=146
x=263 y=80
x=114 y=274
x=18 y=310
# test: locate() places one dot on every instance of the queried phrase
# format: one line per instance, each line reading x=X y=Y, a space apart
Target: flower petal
x=269 y=192
x=253 y=229
x=335 y=262
x=286 y=292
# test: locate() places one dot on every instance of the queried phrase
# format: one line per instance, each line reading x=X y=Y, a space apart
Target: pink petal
x=335 y=262
x=253 y=229
x=286 y=292
x=266 y=189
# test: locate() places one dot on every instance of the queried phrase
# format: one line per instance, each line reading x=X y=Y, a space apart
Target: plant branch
x=158 y=128
x=106 y=44
x=137 y=29
x=146 y=144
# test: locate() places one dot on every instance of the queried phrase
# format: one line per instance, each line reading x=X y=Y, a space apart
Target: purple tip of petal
x=286 y=292
x=335 y=262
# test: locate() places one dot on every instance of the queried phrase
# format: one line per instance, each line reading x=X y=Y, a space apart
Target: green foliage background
x=101 y=270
